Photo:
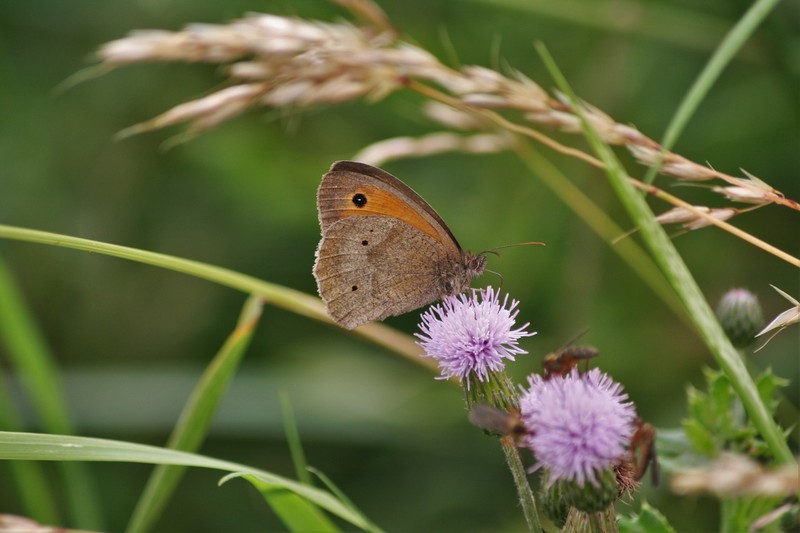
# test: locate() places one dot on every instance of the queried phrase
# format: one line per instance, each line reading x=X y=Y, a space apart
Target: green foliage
x=717 y=424
x=647 y=520
x=559 y=498
x=35 y=364
x=193 y=425
x=44 y=447
x=768 y=383
x=738 y=514
x=297 y=513
x=242 y=196
x=716 y=421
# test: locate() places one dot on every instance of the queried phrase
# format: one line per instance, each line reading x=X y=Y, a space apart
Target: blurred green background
x=133 y=339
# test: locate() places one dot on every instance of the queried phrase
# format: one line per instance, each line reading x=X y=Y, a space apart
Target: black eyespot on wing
x=364 y=242
x=359 y=200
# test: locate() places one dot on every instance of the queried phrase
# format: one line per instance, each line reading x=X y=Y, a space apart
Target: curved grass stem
x=292 y=300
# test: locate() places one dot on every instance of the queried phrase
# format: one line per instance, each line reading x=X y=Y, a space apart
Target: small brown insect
x=497 y=421
x=643 y=451
x=562 y=361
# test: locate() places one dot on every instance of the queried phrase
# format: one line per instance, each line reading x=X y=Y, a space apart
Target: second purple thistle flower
x=579 y=425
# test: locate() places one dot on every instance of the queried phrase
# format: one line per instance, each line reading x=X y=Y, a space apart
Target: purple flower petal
x=579 y=424
x=471 y=334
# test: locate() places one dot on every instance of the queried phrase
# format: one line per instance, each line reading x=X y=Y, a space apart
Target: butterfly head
x=458 y=276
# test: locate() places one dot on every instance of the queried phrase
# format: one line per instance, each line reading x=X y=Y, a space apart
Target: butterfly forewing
x=356 y=189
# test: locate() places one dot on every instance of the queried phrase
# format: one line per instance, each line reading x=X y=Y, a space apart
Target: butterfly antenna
x=573 y=340
x=494 y=250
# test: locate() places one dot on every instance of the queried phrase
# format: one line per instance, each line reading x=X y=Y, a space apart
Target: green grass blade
x=45 y=447
x=297 y=513
x=293 y=440
x=37 y=371
x=725 y=52
x=647 y=520
x=681 y=279
x=31 y=485
x=654 y=21
x=343 y=498
x=602 y=224
x=195 y=420
x=295 y=301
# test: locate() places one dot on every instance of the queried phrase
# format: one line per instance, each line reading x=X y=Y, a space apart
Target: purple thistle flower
x=471 y=335
x=579 y=425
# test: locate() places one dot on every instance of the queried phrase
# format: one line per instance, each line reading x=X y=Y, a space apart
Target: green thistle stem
x=520 y=476
x=499 y=392
x=602 y=522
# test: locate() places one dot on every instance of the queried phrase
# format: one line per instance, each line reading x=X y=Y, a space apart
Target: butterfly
x=384 y=251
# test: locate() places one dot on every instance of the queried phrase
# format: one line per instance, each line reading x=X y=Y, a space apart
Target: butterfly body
x=384 y=250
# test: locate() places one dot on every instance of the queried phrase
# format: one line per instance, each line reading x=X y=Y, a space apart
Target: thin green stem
x=36 y=367
x=498 y=392
x=599 y=222
x=656 y=21
x=277 y=295
x=526 y=499
x=44 y=447
x=31 y=485
x=727 y=49
x=678 y=274
x=581 y=522
x=192 y=427
x=293 y=439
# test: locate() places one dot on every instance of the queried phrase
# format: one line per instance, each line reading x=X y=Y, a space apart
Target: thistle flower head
x=579 y=425
x=471 y=335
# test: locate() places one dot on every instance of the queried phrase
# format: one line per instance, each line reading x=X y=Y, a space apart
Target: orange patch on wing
x=380 y=202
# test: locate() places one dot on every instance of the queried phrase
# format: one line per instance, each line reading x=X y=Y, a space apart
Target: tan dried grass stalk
x=280 y=62
x=732 y=475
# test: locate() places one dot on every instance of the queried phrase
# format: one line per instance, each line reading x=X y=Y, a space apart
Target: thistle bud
x=740 y=315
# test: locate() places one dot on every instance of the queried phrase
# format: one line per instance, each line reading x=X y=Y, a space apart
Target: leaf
x=767 y=383
x=344 y=499
x=740 y=513
x=195 y=419
x=44 y=447
x=721 y=397
x=293 y=440
x=649 y=520
x=32 y=360
x=698 y=405
x=721 y=394
x=296 y=512
x=702 y=440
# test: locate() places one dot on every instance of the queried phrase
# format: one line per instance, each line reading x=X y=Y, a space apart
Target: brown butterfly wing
x=375 y=266
x=385 y=195
x=408 y=245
